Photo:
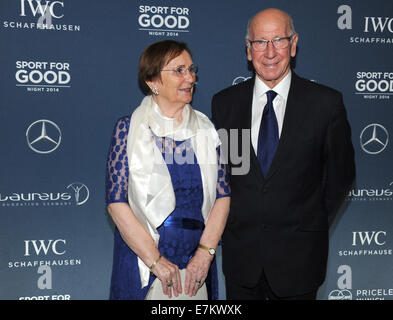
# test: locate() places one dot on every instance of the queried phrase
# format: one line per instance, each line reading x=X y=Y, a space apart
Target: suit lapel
x=254 y=163
x=244 y=118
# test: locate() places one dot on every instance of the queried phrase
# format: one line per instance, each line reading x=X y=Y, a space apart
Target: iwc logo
x=43 y=136
x=375 y=30
x=39 y=15
x=374 y=138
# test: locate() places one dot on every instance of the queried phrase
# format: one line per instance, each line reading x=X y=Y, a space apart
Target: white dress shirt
x=259 y=101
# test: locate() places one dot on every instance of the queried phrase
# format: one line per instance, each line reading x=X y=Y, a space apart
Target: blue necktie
x=268 y=134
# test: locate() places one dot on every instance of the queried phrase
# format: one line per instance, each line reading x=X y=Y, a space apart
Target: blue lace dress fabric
x=180 y=232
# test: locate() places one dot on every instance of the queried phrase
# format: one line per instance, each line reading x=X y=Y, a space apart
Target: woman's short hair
x=155 y=57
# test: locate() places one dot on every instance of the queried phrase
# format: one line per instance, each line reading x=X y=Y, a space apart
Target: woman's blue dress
x=181 y=231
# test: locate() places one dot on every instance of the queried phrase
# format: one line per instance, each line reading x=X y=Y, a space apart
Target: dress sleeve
x=117 y=164
x=223 y=187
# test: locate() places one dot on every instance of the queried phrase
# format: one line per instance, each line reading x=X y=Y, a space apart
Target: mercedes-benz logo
x=81 y=192
x=374 y=138
x=239 y=80
x=43 y=136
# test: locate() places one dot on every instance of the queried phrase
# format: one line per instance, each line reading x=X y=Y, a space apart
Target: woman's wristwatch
x=211 y=251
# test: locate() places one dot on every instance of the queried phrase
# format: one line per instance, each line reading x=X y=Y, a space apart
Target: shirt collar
x=282 y=88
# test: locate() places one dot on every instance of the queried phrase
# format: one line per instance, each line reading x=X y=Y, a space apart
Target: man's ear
x=295 y=39
x=248 y=45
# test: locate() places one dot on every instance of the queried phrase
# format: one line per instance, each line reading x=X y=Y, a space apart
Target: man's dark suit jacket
x=280 y=223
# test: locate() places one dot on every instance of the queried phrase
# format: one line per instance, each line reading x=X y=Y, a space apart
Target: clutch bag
x=155 y=291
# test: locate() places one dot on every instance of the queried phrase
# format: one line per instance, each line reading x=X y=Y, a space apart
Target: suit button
x=264 y=190
x=263 y=226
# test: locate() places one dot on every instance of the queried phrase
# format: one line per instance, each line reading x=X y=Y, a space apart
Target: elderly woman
x=167 y=192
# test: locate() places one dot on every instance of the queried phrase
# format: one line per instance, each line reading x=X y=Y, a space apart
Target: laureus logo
x=381 y=193
x=81 y=192
x=76 y=190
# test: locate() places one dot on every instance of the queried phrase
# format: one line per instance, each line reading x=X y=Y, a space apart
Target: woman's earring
x=155 y=91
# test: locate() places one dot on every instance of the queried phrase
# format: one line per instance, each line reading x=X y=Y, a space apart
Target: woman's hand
x=169 y=275
x=198 y=267
x=197 y=270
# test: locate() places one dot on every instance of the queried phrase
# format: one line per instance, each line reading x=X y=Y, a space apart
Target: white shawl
x=150 y=191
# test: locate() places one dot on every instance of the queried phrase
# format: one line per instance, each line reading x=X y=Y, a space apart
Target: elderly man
x=275 y=244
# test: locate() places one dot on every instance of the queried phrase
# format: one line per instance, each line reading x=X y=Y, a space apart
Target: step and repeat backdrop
x=69 y=71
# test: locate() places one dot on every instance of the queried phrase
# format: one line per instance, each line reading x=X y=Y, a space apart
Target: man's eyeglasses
x=182 y=71
x=278 y=43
